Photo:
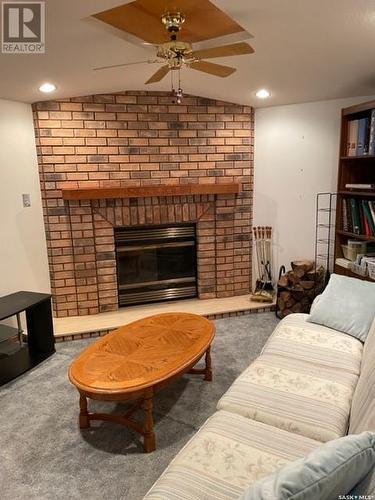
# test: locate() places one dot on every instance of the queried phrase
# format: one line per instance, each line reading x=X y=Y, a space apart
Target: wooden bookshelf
x=353 y=170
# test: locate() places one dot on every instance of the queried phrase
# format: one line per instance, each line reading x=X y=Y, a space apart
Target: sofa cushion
x=293 y=395
x=362 y=417
x=347 y=305
x=294 y=337
x=225 y=455
x=328 y=472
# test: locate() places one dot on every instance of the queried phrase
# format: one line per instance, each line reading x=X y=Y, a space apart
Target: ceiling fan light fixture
x=263 y=94
x=173 y=21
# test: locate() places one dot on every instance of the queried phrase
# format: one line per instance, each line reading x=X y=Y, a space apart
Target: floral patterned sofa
x=310 y=384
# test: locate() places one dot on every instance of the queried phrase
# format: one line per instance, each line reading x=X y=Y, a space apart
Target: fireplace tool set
x=264 y=289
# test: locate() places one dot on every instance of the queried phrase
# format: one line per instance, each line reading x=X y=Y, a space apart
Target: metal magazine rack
x=325 y=222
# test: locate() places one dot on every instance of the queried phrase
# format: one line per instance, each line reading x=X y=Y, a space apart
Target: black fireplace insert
x=156 y=263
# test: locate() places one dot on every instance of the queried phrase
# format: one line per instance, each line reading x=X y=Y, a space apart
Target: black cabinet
x=17 y=357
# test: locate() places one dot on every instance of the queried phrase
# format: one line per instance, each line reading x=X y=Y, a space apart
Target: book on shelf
x=372 y=210
x=369 y=221
x=349 y=216
x=361 y=136
x=366 y=227
x=360 y=186
x=345 y=221
x=352 y=137
x=358 y=216
x=340 y=261
x=372 y=134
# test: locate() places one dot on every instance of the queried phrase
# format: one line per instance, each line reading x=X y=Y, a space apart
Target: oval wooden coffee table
x=138 y=359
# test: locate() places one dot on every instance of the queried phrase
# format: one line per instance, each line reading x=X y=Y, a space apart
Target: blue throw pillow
x=328 y=472
x=347 y=305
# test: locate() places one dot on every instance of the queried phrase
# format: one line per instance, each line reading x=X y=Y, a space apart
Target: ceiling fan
x=176 y=54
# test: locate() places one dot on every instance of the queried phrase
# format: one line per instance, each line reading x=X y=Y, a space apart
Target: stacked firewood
x=298 y=288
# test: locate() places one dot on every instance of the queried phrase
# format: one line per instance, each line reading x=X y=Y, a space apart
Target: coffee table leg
x=149 y=435
x=84 y=422
x=208 y=371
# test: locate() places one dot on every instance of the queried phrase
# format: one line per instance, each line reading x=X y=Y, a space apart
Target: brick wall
x=133 y=139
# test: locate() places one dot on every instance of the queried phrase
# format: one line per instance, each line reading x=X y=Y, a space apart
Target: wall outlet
x=26 y=200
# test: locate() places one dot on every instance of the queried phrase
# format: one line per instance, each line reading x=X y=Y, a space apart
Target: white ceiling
x=306 y=50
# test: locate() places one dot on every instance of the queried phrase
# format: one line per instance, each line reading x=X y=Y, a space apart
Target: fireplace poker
x=264 y=290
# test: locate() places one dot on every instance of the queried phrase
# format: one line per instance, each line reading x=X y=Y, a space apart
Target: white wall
x=296 y=157
x=23 y=254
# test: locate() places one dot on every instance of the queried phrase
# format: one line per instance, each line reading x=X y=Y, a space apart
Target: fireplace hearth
x=156 y=263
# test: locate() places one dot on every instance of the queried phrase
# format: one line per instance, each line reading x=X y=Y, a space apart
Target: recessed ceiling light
x=263 y=94
x=47 y=87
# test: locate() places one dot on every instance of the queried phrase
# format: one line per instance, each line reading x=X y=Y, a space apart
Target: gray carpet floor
x=44 y=455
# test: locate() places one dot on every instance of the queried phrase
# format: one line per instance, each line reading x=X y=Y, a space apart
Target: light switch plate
x=26 y=200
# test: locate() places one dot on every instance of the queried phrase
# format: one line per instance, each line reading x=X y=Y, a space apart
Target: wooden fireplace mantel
x=100 y=193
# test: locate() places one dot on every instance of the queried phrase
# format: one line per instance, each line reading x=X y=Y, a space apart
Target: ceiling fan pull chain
x=179 y=93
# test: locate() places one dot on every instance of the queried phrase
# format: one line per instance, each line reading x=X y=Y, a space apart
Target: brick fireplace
x=134 y=140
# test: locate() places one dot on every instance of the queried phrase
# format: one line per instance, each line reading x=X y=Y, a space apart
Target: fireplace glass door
x=156 y=263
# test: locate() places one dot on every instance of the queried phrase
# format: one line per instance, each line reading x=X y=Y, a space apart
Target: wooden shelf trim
x=361 y=157
x=358 y=108
x=356 y=236
x=100 y=193
x=362 y=194
x=348 y=272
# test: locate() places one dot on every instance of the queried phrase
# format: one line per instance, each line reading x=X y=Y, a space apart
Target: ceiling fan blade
x=122 y=65
x=212 y=69
x=234 y=49
x=159 y=75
